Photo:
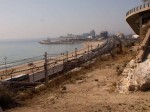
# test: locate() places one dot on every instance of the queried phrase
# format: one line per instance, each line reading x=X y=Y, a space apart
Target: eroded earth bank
x=91 y=88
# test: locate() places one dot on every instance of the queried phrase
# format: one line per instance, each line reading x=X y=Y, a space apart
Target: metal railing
x=139 y=8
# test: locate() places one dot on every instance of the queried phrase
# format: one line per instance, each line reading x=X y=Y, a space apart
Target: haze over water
x=22 y=19
x=39 y=18
x=23 y=49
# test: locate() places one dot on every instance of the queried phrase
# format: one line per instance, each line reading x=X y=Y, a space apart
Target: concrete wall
x=135 y=17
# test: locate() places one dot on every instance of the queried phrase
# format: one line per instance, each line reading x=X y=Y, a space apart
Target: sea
x=15 y=52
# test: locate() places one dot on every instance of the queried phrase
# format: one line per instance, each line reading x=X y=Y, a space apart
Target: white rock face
x=136 y=77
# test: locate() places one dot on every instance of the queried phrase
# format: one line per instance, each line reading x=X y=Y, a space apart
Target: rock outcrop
x=136 y=76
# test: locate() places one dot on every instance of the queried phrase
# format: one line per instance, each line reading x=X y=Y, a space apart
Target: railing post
x=98 y=48
x=5 y=66
x=75 y=53
x=63 y=58
x=53 y=67
x=67 y=55
x=45 y=69
x=33 y=73
x=88 y=48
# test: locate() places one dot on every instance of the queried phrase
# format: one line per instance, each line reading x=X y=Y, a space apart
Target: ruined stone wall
x=136 y=76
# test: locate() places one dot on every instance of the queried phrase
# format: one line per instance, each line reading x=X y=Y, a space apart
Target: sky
x=22 y=19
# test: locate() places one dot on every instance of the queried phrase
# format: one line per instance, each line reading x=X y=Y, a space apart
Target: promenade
x=38 y=66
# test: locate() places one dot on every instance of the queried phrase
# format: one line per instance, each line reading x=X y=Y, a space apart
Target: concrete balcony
x=138 y=16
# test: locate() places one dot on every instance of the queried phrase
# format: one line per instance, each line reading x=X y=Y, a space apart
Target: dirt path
x=93 y=90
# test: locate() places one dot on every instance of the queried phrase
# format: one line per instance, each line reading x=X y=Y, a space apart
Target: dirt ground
x=92 y=89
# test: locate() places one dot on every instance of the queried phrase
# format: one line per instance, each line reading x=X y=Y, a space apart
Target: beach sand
x=26 y=69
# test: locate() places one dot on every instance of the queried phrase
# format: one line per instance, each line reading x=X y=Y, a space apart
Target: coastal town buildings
x=89 y=35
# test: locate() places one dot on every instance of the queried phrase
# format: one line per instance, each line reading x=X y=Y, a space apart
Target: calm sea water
x=18 y=50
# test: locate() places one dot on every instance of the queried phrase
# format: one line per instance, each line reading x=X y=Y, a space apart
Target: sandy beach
x=38 y=65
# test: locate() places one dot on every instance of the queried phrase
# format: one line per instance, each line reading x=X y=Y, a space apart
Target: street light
x=5 y=65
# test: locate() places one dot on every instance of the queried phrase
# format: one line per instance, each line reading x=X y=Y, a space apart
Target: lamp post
x=5 y=65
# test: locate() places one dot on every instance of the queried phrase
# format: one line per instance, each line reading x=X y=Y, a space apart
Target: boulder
x=136 y=76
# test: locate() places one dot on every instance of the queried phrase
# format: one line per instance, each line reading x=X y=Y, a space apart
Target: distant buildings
x=120 y=35
x=86 y=35
x=104 y=34
x=90 y=35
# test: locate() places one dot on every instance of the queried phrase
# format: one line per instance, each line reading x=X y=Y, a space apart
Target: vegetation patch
x=7 y=98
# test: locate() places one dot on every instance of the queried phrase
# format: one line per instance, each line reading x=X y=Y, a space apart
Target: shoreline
x=26 y=69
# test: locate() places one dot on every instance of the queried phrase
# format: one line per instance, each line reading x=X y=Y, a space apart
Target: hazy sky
x=42 y=18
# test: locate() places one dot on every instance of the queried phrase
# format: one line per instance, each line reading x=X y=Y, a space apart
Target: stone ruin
x=136 y=76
